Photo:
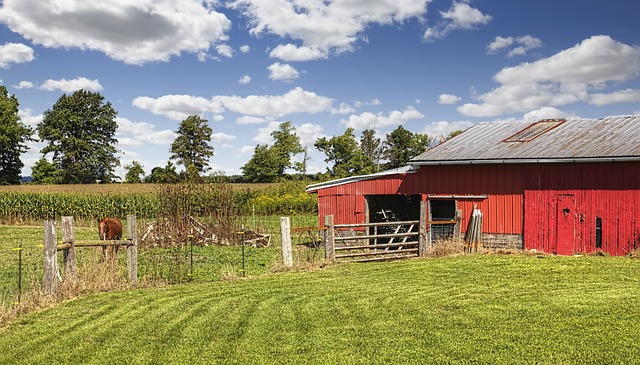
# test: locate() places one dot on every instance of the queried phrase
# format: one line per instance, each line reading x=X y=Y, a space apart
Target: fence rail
x=408 y=239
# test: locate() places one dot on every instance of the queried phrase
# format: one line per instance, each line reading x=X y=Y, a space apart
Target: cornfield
x=89 y=202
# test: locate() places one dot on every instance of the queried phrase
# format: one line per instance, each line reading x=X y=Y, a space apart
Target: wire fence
x=21 y=255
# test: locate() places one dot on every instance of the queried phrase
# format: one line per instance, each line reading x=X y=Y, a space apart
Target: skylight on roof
x=535 y=130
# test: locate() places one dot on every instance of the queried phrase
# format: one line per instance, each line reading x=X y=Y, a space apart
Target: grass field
x=480 y=309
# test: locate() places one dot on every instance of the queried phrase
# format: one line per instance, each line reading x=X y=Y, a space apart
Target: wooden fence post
x=285 y=232
x=132 y=250
x=50 y=262
x=69 y=254
x=329 y=246
x=422 y=236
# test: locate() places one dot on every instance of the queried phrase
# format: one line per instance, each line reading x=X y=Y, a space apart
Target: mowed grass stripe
x=470 y=309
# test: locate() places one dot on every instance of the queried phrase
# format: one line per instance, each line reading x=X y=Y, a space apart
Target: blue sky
x=248 y=65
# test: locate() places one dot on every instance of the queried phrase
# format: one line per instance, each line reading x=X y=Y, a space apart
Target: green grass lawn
x=480 y=309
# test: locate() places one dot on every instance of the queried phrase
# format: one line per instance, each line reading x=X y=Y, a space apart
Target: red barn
x=558 y=186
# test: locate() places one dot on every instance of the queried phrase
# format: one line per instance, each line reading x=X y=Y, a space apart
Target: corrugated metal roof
x=327 y=184
x=580 y=139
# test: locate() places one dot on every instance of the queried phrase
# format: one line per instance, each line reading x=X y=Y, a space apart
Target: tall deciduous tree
x=192 y=147
x=13 y=138
x=371 y=147
x=80 y=133
x=269 y=163
x=44 y=172
x=135 y=173
x=401 y=145
x=345 y=155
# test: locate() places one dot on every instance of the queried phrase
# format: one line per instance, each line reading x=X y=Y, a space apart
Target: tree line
x=79 y=130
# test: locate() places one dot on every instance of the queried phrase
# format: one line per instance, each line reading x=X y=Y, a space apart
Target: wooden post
x=329 y=246
x=422 y=236
x=69 y=254
x=50 y=262
x=132 y=250
x=285 y=232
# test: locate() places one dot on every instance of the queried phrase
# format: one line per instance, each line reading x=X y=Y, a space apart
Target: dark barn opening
x=393 y=208
x=442 y=210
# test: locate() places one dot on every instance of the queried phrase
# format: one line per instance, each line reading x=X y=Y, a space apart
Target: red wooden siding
x=605 y=190
x=502 y=184
x=346 y=202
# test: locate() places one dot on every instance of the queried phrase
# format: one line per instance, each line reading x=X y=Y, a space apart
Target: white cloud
x=523 y=45
x=263 y=135
x=244 y=80
x=309 y=133
x=296 y=100
x=28 y=119
x=545 y=113
x=247 y=150
x=132 y=31
x=14 y=53
x=137 y=133
x=245 y=49
x=566 y=77
x=443 y=128
x=282 y=71
x=24 y=85
x=446 y=99
x=222 y=137
x=290 y=52
x=460 y=16
x=177 y=107
x=621 y=96
x=69 y=86
x=249 y=119
x=374 y=121
x=224 y=50
x=323 y=27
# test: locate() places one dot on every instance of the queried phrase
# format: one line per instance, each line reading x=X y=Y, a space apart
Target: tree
x=371 y=147
x=345 y=154
x=262 y=167
x=401 y=145
x=191 y=147
x=80 y=132
x=13 y=138
x=134 y=171
x=164 y=175
x=43 y=172
x=269 y=163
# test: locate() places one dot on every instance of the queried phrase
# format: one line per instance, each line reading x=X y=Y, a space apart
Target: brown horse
x=110 y=229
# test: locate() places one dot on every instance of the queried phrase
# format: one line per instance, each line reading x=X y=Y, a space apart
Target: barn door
x=565 y=224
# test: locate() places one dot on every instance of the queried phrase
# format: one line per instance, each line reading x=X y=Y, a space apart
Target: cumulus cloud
x=521 y=45
x=309 y=133
x=24 y=85
x=369 y=120
x=132 y=31
x=69 y=86
x=245 y=48
x=291 y=52
x=244 y=80
x=566 y=77
x=224 y=50
x=460 y=16
x=27 y=118
x=545 y=113
x=11 y=53
x=142 y=133
x=250 y=119
x=322 y=27
x=263 y=135
x=283 y=72
x=443 y=128
x=222 y=137
x=446 y=99
x=177 y=107
x=296 y=100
